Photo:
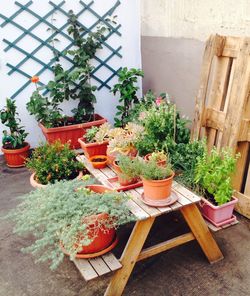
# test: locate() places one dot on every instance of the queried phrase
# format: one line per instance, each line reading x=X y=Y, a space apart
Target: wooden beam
x=167 y=245
x=243 y=205
x=213 y=118
x=201 y=232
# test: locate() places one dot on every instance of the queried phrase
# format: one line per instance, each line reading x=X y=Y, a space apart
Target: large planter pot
x=15 y=158
x=157 y=189
x=92 y=149
x=103 y=236
x=35 y=184
x=218 y=215
x=70 y=133
x=124 y=181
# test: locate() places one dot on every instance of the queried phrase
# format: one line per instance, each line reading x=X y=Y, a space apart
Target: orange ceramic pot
x=15 y=158
x=103 y=236
x=121 y=178
x=160 y=163
x=99 y=161
x=35 y=184
x=92 y=149
x=71 y=133
x=157 y=189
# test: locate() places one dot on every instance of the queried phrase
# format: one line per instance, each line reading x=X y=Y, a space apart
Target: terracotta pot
x=157 y=189
x=35 y=184
x=70 y=133
x=160 y=163
x=121 y=178
x=218 y=215
x=15 y=158
x=103 y=236
x=113 y=155
x=92 y=149
x=99 y=164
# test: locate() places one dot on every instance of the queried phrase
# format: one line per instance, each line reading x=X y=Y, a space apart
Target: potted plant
x=122 y=141
x=99 y=161
x=214 y=177
x=14 y=147
x=125 y=170
x=73 y=219
x=127 y=91
x=95 y=141
x=160 y=157
x=53 y=162
x=68 y=85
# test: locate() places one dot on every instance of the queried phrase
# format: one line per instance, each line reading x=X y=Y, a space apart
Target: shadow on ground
x=180 y=271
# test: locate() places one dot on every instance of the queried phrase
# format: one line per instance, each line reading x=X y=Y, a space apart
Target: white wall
x=129 y=18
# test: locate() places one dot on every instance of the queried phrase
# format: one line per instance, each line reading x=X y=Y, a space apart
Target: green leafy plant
x=127 y=166
x=98 y=134
x=15 y=138
x=150 y=170
x=158 y=156
x=127 y=94
x=54 y=162
x=213 y=174
x=61 y=214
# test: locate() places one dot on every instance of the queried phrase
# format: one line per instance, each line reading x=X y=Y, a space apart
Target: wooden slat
x=187 y=193
x=111 y=261
x=85 y=269
x=247 y=187
x=182 y=199
x=243 y=205
x=242 y=148
x=167 y=245
x=99 y=265
x=213 y=119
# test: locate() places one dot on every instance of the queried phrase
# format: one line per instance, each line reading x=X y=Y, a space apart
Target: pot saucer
x=160 y=203
x=93 y=255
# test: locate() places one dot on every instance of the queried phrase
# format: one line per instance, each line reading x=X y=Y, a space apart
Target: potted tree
x=14 y=147
x=75 y=219
x=213 y=175
x=96 y=140
x=67 y=85
x=53 y=162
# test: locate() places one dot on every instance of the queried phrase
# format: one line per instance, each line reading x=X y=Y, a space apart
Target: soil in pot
x=99 y=161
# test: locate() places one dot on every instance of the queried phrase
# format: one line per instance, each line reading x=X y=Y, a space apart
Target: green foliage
x=127 y=166
x=127 y=92
x=164 y=127
x=150 y=170
x=15 y=138
x=54 y=162
x=61 y=214
x=158 y=156
x=98 y=134
x=214 y=174
x=90 y=134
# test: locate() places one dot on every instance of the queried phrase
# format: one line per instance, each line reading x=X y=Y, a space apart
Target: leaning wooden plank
x=99 y=265
x=243 y=205
x=85 y=269
x=214 y=46
x=111 y=261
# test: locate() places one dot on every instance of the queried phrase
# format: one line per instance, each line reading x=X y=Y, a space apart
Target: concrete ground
x=180 y=271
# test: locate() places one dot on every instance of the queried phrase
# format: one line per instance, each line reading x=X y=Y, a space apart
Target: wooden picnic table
x=145 y=217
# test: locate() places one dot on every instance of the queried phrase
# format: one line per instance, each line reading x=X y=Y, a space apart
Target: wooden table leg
x=129 y=257
x=201 y=232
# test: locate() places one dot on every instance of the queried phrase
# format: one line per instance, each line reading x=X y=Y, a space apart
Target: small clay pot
x=16 y=158
x=99 y=161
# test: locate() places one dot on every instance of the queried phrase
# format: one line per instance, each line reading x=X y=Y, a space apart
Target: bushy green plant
x=213 y=174
x=150 y=170
x=15 y=138
x=163 y=128
x=61 y=215
x=127 y=166
x=54 y=162
x=127 y=94
x=98 y=134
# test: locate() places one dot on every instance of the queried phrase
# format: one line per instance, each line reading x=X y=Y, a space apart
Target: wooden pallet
x=222 y=110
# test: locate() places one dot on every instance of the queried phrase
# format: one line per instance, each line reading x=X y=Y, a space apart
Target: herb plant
x=54 y=162
x=61 y=215
x=214 y=175
x=150 y=170
x=15 y=138
x=127 y=166
x=127 y=94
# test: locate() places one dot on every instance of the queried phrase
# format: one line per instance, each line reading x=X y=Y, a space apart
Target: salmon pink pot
x=15 y=158
x=218 y=215
x=70 y=133
x=103 y=236
x=36 y=184
x=157 y=189
x=92 y=149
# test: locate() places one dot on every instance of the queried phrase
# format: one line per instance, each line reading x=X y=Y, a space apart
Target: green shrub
x=54 y=162
x=214 y=174
x=60 y=214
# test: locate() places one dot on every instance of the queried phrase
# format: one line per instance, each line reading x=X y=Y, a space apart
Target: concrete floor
x=181 y=271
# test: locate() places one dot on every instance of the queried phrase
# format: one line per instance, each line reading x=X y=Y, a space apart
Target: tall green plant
x=127 y=89
x=15 y=138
